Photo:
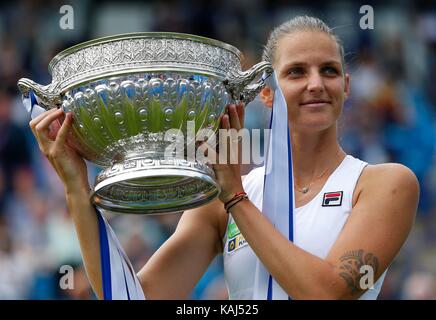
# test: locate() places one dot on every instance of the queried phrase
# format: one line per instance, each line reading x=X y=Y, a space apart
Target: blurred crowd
x=389 y=117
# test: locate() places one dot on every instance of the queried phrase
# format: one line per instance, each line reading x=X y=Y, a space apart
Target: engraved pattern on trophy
x=143 y=163
x=124 y=54
x=159 y=196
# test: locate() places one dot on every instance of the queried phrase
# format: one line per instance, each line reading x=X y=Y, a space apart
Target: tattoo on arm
x=350 y=268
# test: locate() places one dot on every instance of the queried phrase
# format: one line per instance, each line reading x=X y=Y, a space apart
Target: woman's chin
x=313 y=126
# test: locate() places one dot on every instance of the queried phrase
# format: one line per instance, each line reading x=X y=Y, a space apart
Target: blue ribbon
x=105 y=259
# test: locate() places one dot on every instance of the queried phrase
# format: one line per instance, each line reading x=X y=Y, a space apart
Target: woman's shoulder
x=390 y=173
x=395 y=178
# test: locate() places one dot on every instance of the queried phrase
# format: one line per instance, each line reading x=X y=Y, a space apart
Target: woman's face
x=309 y=70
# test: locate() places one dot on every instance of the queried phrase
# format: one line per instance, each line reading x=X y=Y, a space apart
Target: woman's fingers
x=65 y=128
x=39 y=118
x=234 y=118
x=42 y=128
x=225 y=122
x=240 y=107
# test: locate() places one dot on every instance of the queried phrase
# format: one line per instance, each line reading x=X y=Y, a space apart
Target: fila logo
x=332 y=199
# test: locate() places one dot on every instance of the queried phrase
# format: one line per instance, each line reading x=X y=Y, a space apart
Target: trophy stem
x=150 y=186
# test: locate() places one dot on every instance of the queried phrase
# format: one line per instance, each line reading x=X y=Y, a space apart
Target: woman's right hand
x=52 y=141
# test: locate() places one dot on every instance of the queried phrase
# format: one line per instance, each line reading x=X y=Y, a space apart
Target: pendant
x=305 y=190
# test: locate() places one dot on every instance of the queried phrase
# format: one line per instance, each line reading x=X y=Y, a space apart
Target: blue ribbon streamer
x=105 y=259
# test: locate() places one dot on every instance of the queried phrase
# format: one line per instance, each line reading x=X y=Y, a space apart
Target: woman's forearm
x=86 y=224
x=301 y=274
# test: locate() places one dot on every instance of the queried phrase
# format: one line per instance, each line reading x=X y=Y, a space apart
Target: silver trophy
x=126 y=92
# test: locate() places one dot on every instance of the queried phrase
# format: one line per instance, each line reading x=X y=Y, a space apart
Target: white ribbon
x=278 y=198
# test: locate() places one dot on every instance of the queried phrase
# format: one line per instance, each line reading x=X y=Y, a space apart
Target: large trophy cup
x=126 y=92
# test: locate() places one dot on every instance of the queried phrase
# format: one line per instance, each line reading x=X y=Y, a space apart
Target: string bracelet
x=239 y=196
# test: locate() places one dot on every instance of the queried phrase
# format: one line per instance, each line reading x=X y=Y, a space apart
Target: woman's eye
x=295 y=72
x=330 y=71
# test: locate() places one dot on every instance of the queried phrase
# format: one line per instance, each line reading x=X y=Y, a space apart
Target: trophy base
x=150 y=186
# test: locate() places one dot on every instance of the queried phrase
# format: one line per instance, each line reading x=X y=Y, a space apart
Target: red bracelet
x=237 y=195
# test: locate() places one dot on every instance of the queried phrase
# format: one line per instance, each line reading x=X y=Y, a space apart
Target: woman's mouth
x=315 y=103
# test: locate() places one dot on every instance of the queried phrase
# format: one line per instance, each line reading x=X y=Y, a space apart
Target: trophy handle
x=48 y=97
x=240 y=83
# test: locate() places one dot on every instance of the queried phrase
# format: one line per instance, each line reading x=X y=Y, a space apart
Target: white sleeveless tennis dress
x=317 y=226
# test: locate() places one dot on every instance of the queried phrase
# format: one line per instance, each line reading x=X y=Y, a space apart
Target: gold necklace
x=306 y=189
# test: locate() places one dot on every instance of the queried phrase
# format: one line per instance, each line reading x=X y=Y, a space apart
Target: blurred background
x=390 y=116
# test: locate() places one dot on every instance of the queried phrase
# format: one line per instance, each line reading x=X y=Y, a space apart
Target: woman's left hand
x=228 y=170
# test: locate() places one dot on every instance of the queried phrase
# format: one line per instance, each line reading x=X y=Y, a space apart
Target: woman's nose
x=315 y=83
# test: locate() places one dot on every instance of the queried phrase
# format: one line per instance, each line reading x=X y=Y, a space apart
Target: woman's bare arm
x=71 y=169
x=85 y=222
x=175 y=268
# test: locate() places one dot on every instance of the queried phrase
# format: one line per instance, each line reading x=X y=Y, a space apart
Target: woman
x=351 y=218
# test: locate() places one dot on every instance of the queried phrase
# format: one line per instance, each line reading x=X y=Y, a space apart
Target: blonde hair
x=298 y=24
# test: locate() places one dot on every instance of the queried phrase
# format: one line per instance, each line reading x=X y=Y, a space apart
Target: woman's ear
x=347 y=86
x=267 y=96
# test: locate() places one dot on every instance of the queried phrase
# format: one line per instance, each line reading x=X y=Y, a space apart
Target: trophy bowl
x=126 y=92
